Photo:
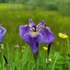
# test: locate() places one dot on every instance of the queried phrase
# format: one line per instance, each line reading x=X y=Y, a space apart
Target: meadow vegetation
x=14 y=15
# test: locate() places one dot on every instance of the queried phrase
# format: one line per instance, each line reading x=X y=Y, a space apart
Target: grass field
x=11 y=17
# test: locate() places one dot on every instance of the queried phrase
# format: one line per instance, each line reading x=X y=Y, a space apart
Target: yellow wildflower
x=63 y=35
x=45 y=48
x=22 y=51
x=23 y=47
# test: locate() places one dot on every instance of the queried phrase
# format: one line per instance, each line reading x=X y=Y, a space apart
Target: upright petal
x=41 y=24
x=23 y=30
x=48 y=36
x=33 y=41
x=2 y=32
x=31 y=23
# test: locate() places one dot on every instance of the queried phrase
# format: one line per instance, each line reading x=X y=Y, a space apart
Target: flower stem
x=6 y=61
x=35 y=59
x=1 y=57
x=35 y=56
x=68 y=46
x=68 y=54
x=48 y=52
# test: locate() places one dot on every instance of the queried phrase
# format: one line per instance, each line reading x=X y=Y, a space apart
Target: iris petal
x=33 y=41
x=48 y=36
x=31 y=23
x=2 y=32
x=1 y=38
x=41 y=24
x=39 y=38
x=23 y=30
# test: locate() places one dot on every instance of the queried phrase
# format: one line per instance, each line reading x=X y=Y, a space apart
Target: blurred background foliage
x=62 y=6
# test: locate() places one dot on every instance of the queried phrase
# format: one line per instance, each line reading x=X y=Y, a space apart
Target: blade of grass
x=56 y=58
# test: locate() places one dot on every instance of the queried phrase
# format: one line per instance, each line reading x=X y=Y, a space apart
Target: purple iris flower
x=35 y=35
x=2 y=32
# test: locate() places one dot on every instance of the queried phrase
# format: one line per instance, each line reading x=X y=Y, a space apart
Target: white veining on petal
x=39 y=28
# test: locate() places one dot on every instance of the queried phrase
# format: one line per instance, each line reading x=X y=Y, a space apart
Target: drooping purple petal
x=23 y=30
x=48 y=36
x=1 y=38
x=33 y=41
x=31 y=22
x=39 y=38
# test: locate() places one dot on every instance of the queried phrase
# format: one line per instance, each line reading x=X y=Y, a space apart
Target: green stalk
x=35 y=59
x=33 y=67
x=68 y=54
x=1 y=58
x=48 y=53
x=68 y=46
x=55 y=61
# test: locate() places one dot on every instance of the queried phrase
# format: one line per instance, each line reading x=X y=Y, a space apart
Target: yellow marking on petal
x=33 y=34
x=45 y=48
x=64 y=36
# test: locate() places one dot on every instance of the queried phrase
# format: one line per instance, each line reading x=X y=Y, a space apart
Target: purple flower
x=2 y=32
x=35 y=35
